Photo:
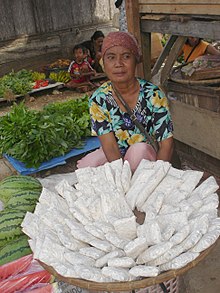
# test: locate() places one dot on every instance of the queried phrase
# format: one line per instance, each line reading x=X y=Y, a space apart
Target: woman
x=196 y=47
x=94 y=47
x=119 y=136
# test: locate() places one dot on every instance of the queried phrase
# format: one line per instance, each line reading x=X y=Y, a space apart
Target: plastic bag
x=23 y=274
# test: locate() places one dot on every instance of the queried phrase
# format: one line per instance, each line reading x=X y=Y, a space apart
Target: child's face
x=79 y=55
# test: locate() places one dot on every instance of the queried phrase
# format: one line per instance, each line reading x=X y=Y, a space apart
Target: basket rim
x=191 y=82
x=131 y=285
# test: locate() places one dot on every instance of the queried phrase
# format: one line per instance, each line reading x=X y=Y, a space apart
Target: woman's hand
x=166 y=147
x=110 y=146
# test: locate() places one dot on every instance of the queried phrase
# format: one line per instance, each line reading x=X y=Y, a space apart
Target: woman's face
x=119 y=64
x=98 y=43
x=193 y=41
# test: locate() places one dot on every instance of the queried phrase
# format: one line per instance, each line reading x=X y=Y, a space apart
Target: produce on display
x=15 y=267
x=89 y=230
x=58 y=70
x=40 y=83
x=61 y=76
x=13 y=185
x=23 y=82
x=38 y=76
x=24 y=275
x=19 y=83
x=18 y=195
x=14 y=249
x=33 y=137
x=60 y=63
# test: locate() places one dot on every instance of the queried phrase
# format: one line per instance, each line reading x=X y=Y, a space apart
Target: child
x=80 y=70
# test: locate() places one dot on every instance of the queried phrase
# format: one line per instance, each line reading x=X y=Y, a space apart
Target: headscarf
x=123 y=39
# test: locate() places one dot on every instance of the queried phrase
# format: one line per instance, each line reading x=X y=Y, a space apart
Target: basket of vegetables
x=57 y=66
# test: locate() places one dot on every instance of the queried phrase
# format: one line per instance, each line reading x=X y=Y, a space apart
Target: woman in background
x=196 y=47
x=94 y=49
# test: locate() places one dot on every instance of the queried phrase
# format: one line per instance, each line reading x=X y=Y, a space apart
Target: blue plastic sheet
x=91 y=143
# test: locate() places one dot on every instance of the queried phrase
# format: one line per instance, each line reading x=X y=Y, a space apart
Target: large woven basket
x=177 y=76
x=132 y=285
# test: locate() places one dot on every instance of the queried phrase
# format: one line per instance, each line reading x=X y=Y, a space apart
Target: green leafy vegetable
x=37 y=136
x=18 y=83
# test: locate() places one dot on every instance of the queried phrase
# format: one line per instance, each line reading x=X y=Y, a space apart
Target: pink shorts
x=134 y=155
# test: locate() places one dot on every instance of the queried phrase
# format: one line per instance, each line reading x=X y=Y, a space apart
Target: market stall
x=190 y=101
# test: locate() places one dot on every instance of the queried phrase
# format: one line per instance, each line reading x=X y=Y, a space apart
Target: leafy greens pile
x=19 y=83
x=33 y=137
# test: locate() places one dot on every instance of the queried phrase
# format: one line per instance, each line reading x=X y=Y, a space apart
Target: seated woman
x=118 y=134
x=196 y=47
x=94 y=47
x=80 y=71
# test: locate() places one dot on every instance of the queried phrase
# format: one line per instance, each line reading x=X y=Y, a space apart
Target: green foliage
x=38 y=75
x=19 y=83
x=37 y=136
x=164 y=39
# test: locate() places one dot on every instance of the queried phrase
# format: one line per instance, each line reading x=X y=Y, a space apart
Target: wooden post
x=146 y=51
x=163 y=55
x=133 y=23
x=174 y=52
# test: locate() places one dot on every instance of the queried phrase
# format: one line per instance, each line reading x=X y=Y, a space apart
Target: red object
x=15 y=267
x=41 y=288
x=23 y=282
x=40 y=83
x=44 y=83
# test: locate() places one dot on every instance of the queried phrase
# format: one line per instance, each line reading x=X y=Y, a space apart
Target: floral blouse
x=151 y=110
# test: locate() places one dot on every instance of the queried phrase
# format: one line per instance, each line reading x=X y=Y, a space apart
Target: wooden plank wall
x=197 y=7
x=34 y=33
x=27 y=17
x=194 y=126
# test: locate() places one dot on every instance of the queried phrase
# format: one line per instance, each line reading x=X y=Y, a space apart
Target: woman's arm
x=212 y=50
x=166 y=147
x=110 y=146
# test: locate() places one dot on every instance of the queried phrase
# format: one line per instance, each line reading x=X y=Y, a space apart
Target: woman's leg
x=93 y=159
x=137 y=152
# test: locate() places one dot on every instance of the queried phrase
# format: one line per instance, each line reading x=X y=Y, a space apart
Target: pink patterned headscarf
x=123 y=39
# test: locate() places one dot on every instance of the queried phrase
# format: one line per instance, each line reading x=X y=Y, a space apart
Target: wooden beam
x=133 y=23
x=202 y=90
x=208 y=9
x=203 y=29
x=146 y=50
x=174 y=52
x=179 y=2
x=189 y=120
x=163 y=55
x=133 y=20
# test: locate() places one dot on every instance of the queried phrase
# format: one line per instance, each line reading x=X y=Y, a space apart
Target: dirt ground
x=38 y=100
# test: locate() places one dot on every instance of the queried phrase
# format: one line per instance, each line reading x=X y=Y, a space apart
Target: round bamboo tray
x=128 y=286
x=177 y=76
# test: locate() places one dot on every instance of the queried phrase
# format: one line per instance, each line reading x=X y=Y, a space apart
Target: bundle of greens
x=33 y=137
x=19 y=83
